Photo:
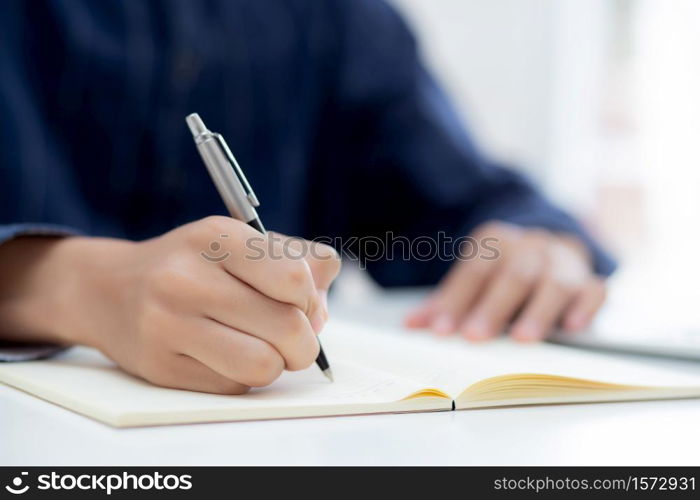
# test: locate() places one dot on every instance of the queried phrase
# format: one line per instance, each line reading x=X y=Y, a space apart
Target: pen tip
x=196 y=125
x=329 y=374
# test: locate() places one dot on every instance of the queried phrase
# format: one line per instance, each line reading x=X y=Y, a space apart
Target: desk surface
x=644 y=433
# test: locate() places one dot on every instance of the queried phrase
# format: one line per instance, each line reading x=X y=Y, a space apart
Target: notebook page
x=452 y=364
x=562 y=361
x=85 y=381
x=373 y=369
x=428 y=361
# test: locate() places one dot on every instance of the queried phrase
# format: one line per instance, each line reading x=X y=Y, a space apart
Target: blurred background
x=599 y=102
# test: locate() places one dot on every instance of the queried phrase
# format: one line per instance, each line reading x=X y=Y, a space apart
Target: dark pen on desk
x=233 y=187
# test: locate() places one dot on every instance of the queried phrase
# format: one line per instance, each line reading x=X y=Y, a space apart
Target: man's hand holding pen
x=170 y=309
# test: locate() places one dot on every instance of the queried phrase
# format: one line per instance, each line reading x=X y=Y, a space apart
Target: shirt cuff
x=11 y=351
x=11 y=231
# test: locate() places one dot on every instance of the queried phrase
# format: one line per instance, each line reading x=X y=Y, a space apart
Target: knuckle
x=327 y=253
x=521 y=272
x=309 y=355
x=563 y=284
x=297 y=273
x=215 y=223
x=569 y=275
x=324 y=262
x=300 y=340
x=209 y=229
x=152 y=327
x=267 y=367
x=295 y=323
x=326 y=267
x=169 y=281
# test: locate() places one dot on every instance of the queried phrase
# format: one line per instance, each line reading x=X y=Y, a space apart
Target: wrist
x=88 y=284
x=26 y=287
x=51 y=288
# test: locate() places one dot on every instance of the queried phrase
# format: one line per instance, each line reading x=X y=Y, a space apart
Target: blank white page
x=452 y=364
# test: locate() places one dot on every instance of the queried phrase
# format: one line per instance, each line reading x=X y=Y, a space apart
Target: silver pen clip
x=250 y=194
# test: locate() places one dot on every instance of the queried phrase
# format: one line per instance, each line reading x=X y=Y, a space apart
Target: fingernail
x=412 y=321
x=443 y=325
x=419 y=317
x=476 y=328
x=527 y=331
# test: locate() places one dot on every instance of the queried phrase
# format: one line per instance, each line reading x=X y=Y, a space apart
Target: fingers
x=503 y=297
x=277 y=275
x=324 y=263
x=539 y=279
x=323 y=260
x=421 y=316
x=241 y=307
x=178 y=371
x=562 y=281
x=459 y=290
x=458 y=293
x=556 y=301
x=265 y=264
x=216 y=306
x=235 y=355
x=542 y=312
x=582 y=310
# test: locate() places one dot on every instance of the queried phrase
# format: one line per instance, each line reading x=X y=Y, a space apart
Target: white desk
x=33 y=432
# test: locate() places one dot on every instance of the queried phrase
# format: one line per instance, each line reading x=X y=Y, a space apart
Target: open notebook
x=376 y=371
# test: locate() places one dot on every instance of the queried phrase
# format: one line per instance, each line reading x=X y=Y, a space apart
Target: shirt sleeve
x=413 y=162
x=10 y=352
x=14 y=351
x=10 y=231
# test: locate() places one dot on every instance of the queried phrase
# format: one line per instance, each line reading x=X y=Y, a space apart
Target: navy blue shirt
x=326 y=104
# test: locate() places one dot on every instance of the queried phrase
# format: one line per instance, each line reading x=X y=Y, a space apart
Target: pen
x=233 y=187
